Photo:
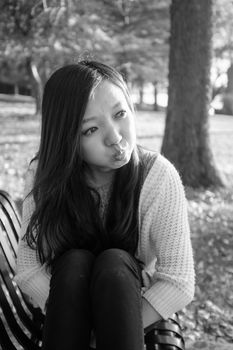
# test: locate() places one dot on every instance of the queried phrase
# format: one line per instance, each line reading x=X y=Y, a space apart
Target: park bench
x=20 y=323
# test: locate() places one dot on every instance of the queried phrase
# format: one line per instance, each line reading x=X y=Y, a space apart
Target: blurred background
x=177 y=58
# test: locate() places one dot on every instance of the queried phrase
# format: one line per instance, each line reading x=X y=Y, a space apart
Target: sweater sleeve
x=171 y=280
x=32 y=277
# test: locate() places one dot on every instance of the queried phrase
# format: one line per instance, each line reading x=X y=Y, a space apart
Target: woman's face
x=108 y=130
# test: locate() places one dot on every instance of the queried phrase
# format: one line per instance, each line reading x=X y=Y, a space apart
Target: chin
x=120 y=164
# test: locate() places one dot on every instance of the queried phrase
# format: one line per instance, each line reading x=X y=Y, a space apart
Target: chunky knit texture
x=164 y=243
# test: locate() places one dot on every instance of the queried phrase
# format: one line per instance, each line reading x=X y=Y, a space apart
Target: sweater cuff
x=166 y=299
x=36 y=288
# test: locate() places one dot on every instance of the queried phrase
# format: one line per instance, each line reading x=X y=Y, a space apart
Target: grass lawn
x=210 y=316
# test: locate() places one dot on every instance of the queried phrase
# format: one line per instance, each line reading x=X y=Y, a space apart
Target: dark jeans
x=101 y=293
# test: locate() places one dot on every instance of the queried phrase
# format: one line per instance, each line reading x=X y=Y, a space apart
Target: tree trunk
x=228 y=96
x=37 y=85
x=141 y=93
x=16 y=89
x=156 y=107
x=186 y=138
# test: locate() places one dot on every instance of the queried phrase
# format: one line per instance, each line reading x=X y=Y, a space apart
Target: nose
x=112 y=136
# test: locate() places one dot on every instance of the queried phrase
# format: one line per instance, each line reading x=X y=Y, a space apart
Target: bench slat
x=11 y=208
x=7 y=253
x=5 y=340
x=21 y=337
x=15 y=328
x=7 y=227
x=30 y=317
x=17 y=301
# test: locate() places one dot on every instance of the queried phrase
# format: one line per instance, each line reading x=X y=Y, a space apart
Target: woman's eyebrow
x=88 y=119
x=118 y=104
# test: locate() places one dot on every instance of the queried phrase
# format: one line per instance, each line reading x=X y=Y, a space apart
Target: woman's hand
x=149 y=314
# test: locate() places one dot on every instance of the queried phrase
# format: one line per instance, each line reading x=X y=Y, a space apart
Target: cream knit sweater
x=164 y=244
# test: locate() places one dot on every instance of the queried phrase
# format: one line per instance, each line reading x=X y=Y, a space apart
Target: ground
x=208 y=320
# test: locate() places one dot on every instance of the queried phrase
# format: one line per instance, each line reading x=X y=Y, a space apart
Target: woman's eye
x=121 y=114
x=89 y=131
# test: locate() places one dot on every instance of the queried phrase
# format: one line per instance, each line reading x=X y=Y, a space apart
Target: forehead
x=106 y=94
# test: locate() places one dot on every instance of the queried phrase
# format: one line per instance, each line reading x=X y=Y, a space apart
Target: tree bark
x=141 y=93
x=37 y=85
x=16 y=89
x=228 y=96
x=156 y=107
x=186 y=138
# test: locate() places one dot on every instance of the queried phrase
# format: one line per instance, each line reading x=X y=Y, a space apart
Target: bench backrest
x=20 y=323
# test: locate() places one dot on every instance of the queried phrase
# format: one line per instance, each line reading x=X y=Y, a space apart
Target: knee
x=113 y=257
x=71 y=266
x=114 y=266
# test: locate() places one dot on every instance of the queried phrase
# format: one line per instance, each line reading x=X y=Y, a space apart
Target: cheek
x=129 y=131
x=90 y=149
x=85 y=149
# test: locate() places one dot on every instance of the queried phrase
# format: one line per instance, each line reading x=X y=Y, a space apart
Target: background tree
x=140 y=30
x=186 y=139
x=223 y=49
x=129 y=34
x=43 y=35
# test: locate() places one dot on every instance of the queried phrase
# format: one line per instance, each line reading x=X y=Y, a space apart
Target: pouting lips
x=119 y=156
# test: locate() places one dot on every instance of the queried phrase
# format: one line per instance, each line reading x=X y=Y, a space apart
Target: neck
x=98 y=179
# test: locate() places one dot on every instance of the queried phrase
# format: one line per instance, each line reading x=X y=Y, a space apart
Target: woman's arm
x=170 y=281
x=32 y=277
x=149 y=314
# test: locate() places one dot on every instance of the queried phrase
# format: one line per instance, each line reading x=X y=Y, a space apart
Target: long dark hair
x=65 y=214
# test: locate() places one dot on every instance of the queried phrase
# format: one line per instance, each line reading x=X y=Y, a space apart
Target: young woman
x=105 y=246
